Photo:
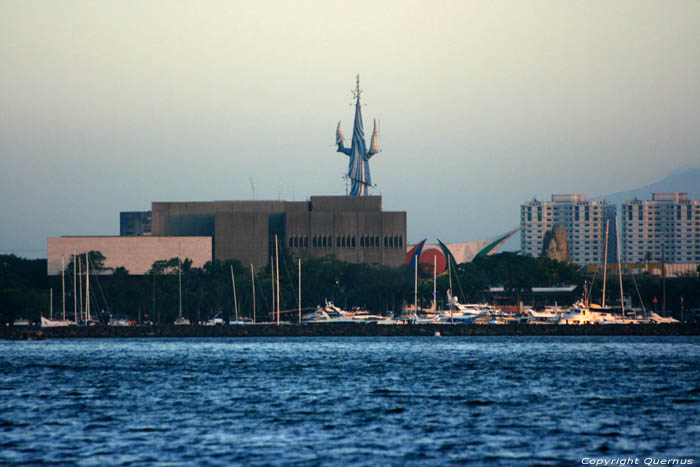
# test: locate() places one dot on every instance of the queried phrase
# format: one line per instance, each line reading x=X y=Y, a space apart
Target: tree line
x=207 y=292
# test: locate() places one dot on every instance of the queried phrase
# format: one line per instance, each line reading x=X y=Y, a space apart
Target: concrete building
x=354 y=229
x=669 y=224
x=585 y=223
x=134 y=223
x=136 y=254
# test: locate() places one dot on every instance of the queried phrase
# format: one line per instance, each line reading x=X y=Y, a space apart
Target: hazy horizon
x=109 y=106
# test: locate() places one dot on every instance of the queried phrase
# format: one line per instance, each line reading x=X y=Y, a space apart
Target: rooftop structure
x=135 y=223
x=358 y=167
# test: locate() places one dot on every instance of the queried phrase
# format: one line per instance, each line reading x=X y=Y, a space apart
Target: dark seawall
x=271 y=330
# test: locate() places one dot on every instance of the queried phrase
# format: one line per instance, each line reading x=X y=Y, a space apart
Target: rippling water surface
x=370 y=401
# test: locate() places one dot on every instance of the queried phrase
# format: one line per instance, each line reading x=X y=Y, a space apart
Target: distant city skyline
x=108 y=107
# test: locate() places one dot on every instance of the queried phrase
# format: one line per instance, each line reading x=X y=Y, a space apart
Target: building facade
x=668 y=225
x=354 y=229
x=585 y=223
x=134 y=223
x=136 y=254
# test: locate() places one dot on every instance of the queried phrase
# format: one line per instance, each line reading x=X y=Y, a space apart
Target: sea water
x=338 y=401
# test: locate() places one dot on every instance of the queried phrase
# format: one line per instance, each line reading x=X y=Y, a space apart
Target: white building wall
x=668 y=224
x=584 y=222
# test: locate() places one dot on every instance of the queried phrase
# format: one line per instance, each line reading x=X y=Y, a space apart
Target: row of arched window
x=345 y=241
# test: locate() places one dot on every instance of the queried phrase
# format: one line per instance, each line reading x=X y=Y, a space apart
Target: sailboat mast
x=179 y=280
x=663 y=277
x=235 y=302
x=619 y=266
x=449 y=273
x=75 y=290
x=299 y=290
x=435 y=282
x=252 y=282
x=272 y=282
x=63 y=285
x=277 y=270
x=51 y=303
x=605 y=261
x=87 y=288
x=415 y=288
x=153 y=297
x=80 y=279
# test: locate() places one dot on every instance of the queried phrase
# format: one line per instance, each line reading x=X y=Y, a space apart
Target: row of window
x=640 y=212
x=345 y=241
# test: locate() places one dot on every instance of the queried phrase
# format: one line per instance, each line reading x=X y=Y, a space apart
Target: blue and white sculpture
x=358 y=169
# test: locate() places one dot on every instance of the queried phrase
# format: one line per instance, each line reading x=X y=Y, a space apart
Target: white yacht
x=582 y=314
x=54 y=323
x=542 y=317
x=329 y=313
x=658 y=319
x=464 y=313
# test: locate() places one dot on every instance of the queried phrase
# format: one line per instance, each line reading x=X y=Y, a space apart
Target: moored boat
x=53 y=323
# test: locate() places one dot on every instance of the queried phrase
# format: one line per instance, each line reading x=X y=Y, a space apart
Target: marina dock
x=347 y=330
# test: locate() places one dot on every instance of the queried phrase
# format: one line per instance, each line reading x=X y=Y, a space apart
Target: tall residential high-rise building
x=585 y=223
x=668 y=224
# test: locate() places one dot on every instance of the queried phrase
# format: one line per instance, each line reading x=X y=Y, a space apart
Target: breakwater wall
x=349 y=330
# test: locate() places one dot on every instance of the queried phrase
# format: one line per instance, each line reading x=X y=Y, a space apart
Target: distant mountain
x=684 y=181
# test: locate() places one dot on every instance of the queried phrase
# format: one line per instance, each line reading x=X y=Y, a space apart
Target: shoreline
x=349 y=330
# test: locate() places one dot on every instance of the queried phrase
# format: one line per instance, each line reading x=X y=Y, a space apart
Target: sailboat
x=601 y=313
x=50 y=322
x=583 y=312
x=236 y=321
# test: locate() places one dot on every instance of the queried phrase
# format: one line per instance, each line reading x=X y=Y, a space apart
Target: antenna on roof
x=357 y=91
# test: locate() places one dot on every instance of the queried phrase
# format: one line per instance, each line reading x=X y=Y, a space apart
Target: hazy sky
x=107 y=106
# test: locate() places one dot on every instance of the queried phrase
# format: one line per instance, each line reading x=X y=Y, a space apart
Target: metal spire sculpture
x=358 y=168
